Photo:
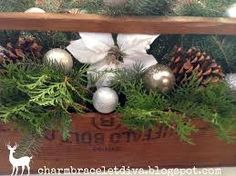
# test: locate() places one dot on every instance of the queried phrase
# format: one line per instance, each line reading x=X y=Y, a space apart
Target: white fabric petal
x=97 y=42
x=135 y=43
x=143 y=59
x=102 y=73
x=83 y=54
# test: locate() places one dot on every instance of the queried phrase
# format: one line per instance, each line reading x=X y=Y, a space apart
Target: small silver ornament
x=60 y=57
x=113 y=3
x=231 y=80
x=77 y=11
x=35 y=10
x=105 y=100
x=231 y=11
x=159 y=77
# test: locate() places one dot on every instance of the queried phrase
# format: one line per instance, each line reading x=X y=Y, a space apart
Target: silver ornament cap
x=159 y=77
x=105 y=100
x=59 y=57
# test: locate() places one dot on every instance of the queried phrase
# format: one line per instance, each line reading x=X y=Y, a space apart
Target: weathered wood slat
x=101 y=140
x=95 y=23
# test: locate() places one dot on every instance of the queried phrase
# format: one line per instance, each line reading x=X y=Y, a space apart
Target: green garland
x=39 y=98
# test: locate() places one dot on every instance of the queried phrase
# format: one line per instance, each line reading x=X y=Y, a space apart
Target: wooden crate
x=100 y=140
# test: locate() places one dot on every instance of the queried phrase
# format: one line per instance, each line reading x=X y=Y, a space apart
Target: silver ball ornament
x=105 y=100
x=159 y=78
x=231 y=11
x=231 y=80
x=59 y=57
x=35 y=10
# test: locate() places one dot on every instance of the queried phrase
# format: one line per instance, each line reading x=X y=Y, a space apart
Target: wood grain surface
x=100 y=140
x=95 y=23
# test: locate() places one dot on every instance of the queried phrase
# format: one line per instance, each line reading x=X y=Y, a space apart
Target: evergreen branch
x=131 y=7
x=145 y=109
x=29 y=145
x=43 y=97
x=16 y=6
x=222 y=49
x=66 y=126
x=9 y=113
x=209 y=8
x=143 y=119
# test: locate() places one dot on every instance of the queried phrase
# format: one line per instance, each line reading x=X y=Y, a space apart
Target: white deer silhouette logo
x=18 y=162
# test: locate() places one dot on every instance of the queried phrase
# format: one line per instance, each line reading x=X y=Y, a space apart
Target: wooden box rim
x=125 y=24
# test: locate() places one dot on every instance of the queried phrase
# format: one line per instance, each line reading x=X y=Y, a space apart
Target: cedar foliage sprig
x=213 y=104
x=42 y=96
x=146 y=109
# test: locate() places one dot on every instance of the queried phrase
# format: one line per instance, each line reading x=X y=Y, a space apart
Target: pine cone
x=185 y=64
x=25 y=48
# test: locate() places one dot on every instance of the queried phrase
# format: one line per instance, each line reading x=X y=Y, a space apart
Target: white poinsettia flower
x=106 y=55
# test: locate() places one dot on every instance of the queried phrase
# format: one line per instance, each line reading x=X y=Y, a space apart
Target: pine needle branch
x=29 y=145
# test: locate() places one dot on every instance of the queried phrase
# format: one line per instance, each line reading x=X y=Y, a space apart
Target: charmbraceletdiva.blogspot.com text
x=126 y=170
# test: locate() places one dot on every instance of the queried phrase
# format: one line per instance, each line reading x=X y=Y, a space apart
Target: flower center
x=115 y=55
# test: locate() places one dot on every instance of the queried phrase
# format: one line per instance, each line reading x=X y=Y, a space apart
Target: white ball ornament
x=231 y=11
x=35 y=10
x=105 y=100
x=59 y=57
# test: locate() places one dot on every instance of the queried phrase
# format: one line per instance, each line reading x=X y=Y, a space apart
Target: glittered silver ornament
x=231 y=80
x=159 y=77
x=231 y=11
x=59 y=57
x=113 y=3
x=105 y=100
x=35 y=10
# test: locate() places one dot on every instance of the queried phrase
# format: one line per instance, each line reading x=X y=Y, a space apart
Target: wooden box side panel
x=100 y=140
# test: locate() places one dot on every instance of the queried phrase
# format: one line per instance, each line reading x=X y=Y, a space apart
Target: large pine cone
x=25 y=48
x=185 y=64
